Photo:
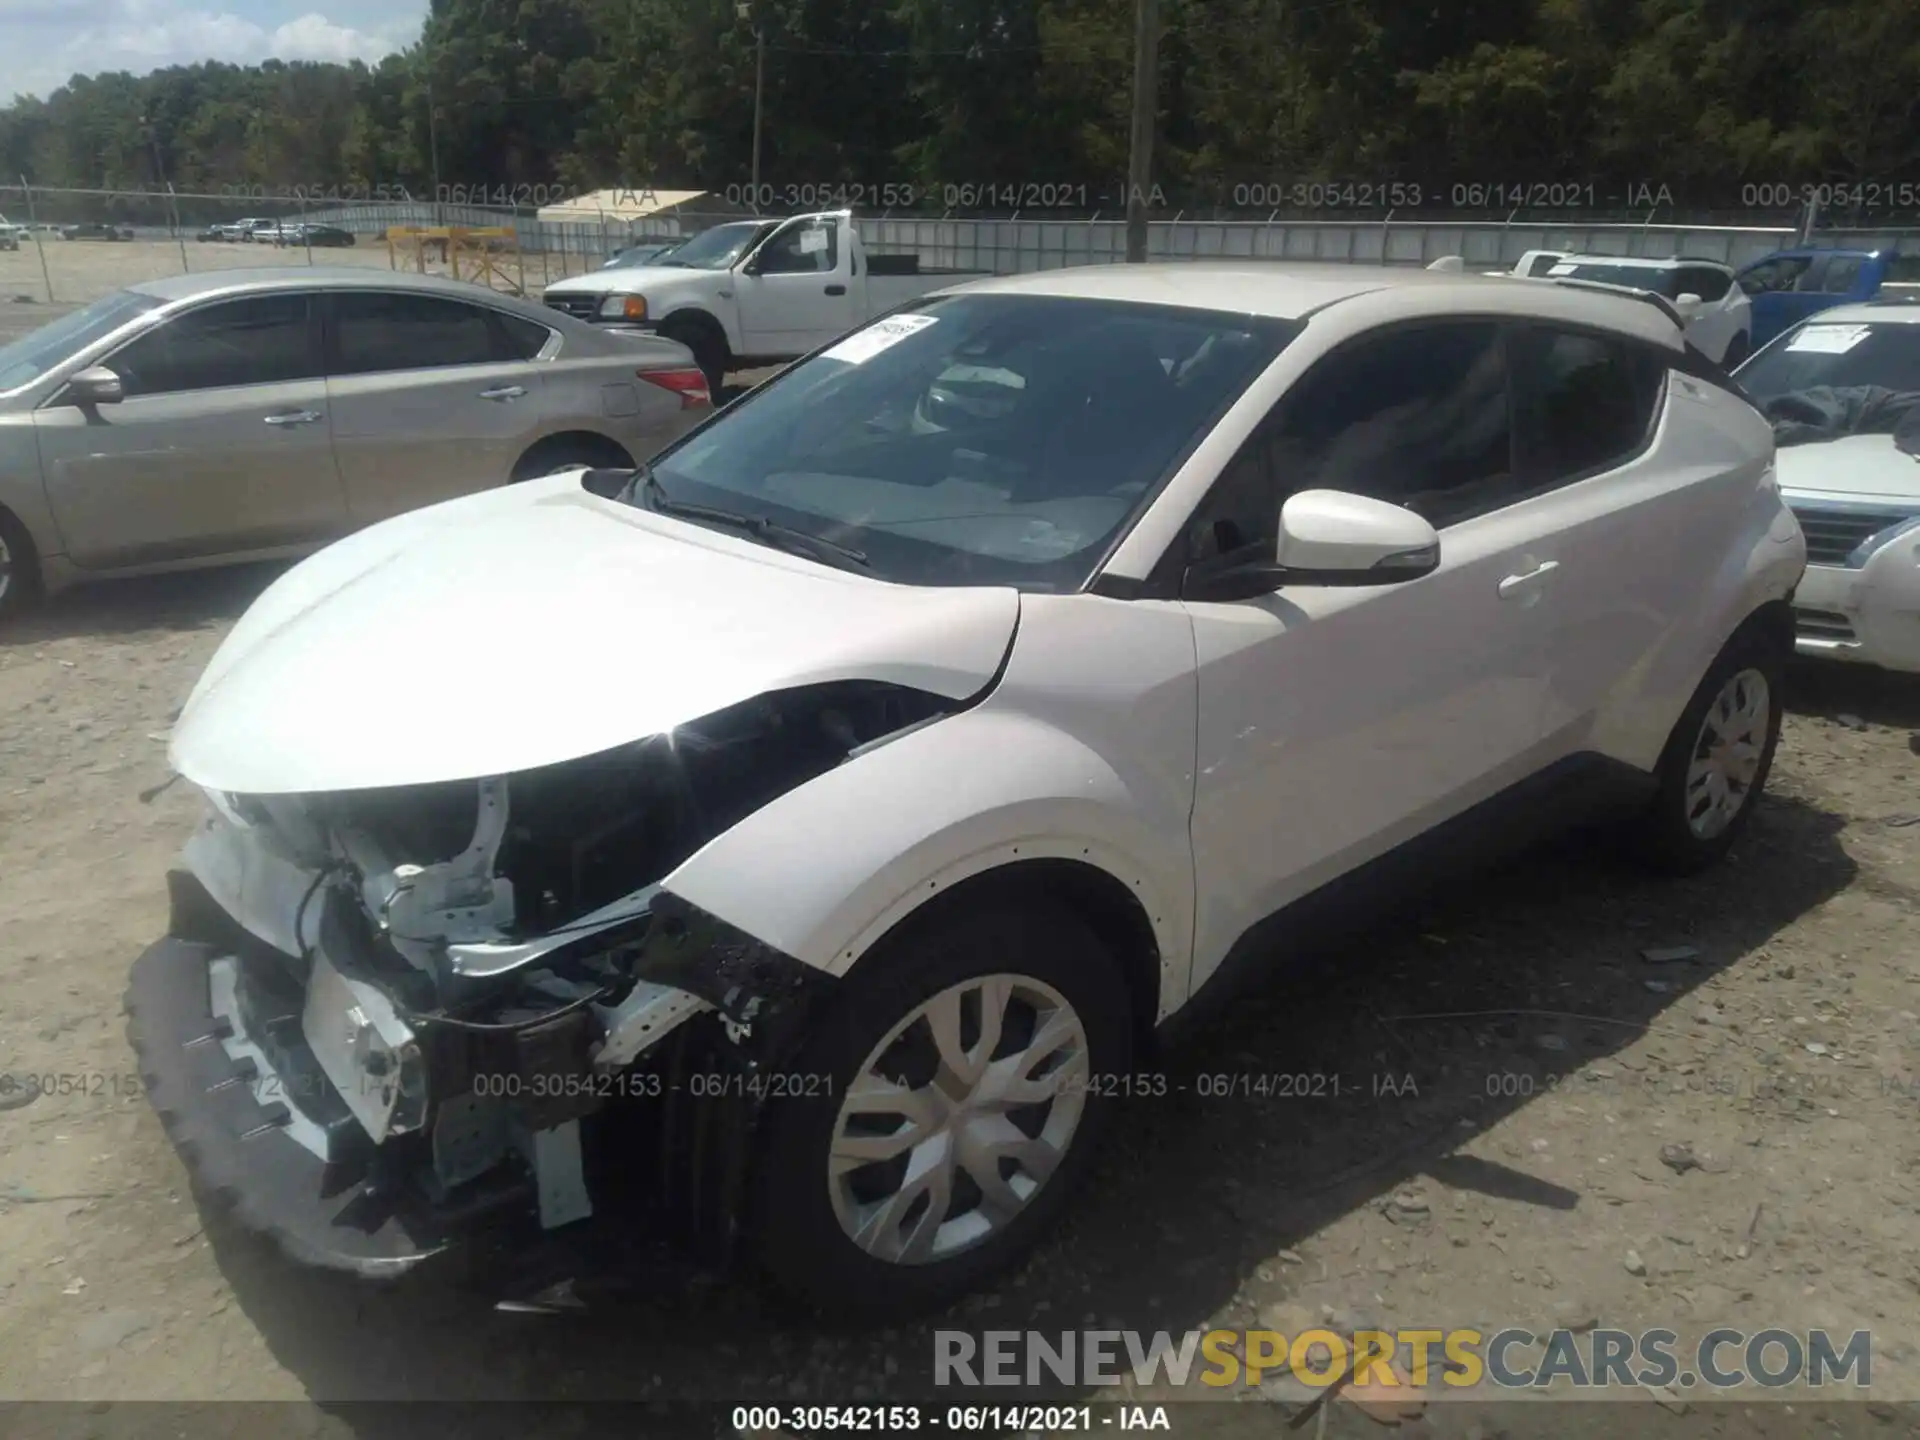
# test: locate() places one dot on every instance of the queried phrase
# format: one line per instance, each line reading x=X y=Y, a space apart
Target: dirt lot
x=1518 y=1180
x=77 y=271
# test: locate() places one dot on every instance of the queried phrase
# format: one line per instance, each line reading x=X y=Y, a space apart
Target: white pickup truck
x=754 y=292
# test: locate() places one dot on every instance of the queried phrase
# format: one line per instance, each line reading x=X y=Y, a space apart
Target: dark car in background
x=317 y=236
x=96 y=230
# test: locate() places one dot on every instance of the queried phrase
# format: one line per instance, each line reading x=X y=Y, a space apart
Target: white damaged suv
x=835 y=814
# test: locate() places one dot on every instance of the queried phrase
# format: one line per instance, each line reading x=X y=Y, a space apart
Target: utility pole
x=1146 y=48
x=744 y=10
x=759 y=89
x=433 y=147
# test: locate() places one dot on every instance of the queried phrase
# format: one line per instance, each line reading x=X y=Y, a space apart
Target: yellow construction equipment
x=474 y=253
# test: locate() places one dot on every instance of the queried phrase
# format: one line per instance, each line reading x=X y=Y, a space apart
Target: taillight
x=689 y=385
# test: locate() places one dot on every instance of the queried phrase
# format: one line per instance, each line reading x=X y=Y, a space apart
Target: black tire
x=709 y=347
x=1664 y=836
x=19 y=570
x=566 y=452
x=807 y=1257
x=1738 y=349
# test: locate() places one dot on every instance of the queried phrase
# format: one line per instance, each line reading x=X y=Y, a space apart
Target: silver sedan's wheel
x=6 y=568
x=957 y=1118
x=1727 y=753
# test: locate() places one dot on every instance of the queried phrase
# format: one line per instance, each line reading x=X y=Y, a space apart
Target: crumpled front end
x=383 y=1021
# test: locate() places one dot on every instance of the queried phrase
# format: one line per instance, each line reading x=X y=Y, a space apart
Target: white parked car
x=854 y=799
x=753 y=293
x=1717 y=312
x=1844 y=389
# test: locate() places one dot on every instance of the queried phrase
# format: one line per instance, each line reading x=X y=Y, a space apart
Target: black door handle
x=836 y=289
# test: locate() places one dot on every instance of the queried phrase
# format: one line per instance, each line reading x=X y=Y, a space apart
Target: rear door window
x=1585 y=402
x=1841 y=275
x=524 y=338
x=377 y=331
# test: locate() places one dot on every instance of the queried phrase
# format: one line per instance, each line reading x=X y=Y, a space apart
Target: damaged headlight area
x=427 y=989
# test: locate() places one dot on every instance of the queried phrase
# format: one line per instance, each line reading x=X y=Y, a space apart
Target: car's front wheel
x=1718 y=757
x=19 y=567
x=950 y=1105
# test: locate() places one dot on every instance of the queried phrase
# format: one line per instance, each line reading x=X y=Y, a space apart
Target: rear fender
x=1750 y=576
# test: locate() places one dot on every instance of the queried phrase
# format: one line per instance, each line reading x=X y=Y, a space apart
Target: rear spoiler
x=1457 y=263
x=1696 y=362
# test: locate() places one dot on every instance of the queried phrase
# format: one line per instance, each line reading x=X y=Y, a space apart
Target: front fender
x=703 y=308
x=826 y=870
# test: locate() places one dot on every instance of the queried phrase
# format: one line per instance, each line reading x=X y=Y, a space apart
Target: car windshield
x=1659 y=280
x=715 y=249
x=647 y=254
x=978 y=439
x=1838 y=354
x=32 y=355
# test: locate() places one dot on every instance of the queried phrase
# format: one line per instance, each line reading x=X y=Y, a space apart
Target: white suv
x=1708 y=297
x=851 y=800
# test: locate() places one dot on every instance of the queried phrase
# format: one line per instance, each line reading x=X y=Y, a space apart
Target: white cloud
x=89 y=37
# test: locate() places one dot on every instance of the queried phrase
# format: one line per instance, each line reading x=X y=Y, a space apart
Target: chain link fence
x=71 y=246
x=68 y=247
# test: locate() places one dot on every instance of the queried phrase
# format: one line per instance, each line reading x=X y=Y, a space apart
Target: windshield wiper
x=771 y=532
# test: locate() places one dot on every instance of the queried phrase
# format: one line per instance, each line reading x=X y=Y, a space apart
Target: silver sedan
x=248 y=415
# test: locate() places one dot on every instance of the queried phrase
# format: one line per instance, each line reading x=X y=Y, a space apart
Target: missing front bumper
x=214 y=1015
x=239 y=1149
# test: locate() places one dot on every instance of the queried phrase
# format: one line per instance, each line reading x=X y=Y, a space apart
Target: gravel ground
x=1517 y=1180
x=77 y=271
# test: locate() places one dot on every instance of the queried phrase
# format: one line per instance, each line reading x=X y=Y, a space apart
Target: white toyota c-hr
x=849 y=802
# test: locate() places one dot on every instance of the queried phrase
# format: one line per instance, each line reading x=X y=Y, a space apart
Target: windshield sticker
x=863 y=345
x=1828 y=339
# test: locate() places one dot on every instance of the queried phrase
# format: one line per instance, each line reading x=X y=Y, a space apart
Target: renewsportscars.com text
x=1510 y=1359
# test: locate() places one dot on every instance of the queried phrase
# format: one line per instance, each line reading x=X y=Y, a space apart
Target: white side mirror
x=1688 y=305
x=1330 y=537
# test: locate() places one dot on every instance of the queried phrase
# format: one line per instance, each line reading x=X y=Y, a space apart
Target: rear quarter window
x=1586 y=401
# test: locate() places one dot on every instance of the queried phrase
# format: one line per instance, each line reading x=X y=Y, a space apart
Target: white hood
x=1852 y=468
x=537 y=623
x=633 y=279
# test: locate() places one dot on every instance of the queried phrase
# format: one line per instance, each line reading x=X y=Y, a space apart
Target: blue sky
x=43 y=42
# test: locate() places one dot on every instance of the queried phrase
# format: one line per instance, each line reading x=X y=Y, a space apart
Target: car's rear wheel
x=951 y=1106
x=1718 y=757
x=19 y=567
x=570 y=452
